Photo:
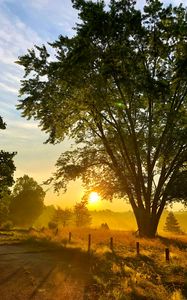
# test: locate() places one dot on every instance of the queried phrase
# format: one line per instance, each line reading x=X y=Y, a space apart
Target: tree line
x=78 y=216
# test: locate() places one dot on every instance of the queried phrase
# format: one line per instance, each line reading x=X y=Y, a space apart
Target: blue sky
x=24 y=23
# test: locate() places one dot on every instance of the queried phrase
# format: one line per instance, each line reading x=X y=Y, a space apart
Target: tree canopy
x=26 y=202
x=118 y=88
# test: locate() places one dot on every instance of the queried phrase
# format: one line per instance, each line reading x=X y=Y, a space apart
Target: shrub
x=7 y=225
x=105 y=226
x=52 y=225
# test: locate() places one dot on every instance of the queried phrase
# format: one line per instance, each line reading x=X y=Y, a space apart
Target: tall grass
x=122 y=274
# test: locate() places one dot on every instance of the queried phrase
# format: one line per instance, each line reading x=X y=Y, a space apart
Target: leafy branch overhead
x=118 y=88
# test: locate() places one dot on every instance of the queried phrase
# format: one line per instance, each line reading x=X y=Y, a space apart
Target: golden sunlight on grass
x=99 y=269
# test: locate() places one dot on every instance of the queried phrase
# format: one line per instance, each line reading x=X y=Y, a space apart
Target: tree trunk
x=147 y=223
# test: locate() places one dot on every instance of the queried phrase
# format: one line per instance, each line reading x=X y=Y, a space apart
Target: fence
x=112 y=246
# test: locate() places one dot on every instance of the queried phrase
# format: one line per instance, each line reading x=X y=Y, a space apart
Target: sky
x=24 y=23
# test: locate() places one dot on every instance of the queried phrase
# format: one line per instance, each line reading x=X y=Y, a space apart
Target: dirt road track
x=32 y=272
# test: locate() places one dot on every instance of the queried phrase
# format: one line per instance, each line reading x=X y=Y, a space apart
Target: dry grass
x=122 y=274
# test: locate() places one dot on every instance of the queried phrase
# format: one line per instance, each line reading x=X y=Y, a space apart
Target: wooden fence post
x=69 y=237
x=167 y=254
x=89 y=242
x=111 y=244
x=137 y=248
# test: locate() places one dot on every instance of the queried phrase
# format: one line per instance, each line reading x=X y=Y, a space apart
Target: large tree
x=118 y=87
x=26 y=202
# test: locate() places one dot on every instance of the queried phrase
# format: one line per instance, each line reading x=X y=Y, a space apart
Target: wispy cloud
x=8 y=88
x=23 y=124
x=15 y=38
x=12 y=78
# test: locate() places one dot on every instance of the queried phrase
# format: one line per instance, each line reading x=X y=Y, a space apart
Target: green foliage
x=7 y=166
x=63 y=216
x=172 y=224
x=178 y=189
x=45 y=217
x=118 y=89
x=52 y=225
x=4 y=206
x=2 y=124
x=7 y=169
x=7 y=225
x=26 y=201
x=82 y=215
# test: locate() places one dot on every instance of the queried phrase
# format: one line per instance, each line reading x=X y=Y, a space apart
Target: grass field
x=121 y=273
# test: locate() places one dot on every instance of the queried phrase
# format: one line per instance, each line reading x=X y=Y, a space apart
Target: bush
x=52 y=225
x=7 y=225
x=105 y=226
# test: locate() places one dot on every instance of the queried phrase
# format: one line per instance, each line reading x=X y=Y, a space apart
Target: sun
x=93 y=198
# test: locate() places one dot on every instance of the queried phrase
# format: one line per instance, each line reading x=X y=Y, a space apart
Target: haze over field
x=23 y=24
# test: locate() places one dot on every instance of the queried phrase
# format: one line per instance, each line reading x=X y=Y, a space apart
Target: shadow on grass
x=111 y=276
x=174 y=242
x=137 y=277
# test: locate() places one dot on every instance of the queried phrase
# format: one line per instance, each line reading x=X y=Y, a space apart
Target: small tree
x=62 y=216
x=172 y=224
x=104 y=226
x=27 y=201
x=52 y=225
x=82 y=215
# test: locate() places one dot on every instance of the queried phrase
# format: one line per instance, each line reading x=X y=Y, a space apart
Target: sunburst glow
x=93 y=198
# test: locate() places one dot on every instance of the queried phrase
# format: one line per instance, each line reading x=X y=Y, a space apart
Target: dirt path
x=36 y=273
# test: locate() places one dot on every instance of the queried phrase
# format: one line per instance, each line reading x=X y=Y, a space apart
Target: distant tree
x=7 y=167
x=52 y=225
x=26 y=201
x=104 y=226
x=4 y=206
x=118 y=87
x=82 y=215
x=62 y=216
x=45 y=217
x=172 y=224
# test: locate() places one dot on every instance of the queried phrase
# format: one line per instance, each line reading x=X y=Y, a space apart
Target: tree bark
x=147 y=223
